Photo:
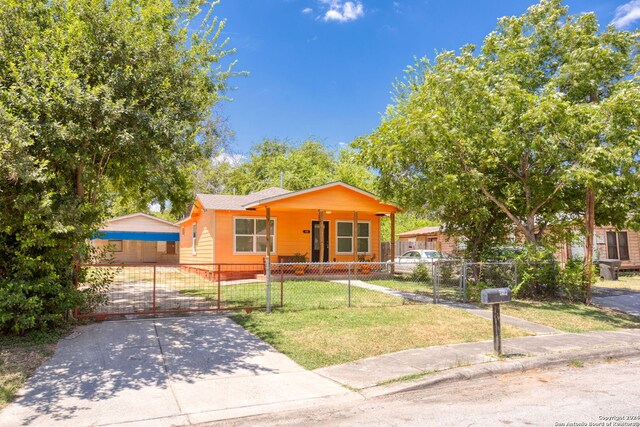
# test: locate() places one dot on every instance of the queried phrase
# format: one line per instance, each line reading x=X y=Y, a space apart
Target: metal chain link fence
x=126 y=289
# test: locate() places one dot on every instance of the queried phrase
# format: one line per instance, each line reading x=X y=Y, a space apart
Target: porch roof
x=335 y=196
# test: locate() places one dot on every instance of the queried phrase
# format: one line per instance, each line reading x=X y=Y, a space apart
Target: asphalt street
x=605 y=394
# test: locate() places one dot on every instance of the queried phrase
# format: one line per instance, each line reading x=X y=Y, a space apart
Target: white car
x=410 y=259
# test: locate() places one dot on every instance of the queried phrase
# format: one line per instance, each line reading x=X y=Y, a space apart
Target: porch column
x=321 y=232
x=355 y=236
x=268 y=232
x=268 y=259
x=393 y=241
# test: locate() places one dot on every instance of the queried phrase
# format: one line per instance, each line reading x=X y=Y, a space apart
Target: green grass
x=631 y=283
x=20 y=356
x=318 y=338
x=451 y=293
x=569 y=317
x=297 y=295
x=576 y=363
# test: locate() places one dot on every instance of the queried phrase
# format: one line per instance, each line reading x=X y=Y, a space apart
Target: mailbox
x=495 y=296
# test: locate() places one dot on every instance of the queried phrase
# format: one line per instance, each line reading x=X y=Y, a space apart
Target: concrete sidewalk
x=374 y=371
x=164 y=372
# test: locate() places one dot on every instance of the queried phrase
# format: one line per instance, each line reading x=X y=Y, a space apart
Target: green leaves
x=99 y=101
x=547 y=106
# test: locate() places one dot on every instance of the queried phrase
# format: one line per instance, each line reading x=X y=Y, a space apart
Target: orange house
x=281 y=224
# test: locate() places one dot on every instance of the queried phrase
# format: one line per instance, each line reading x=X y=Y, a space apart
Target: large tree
x=545 y=112
x=300 y=166
x=96 y=97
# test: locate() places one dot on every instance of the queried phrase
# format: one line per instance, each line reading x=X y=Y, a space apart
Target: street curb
x=503 y=367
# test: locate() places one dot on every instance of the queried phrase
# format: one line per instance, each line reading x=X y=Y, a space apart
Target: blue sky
x=325 y=68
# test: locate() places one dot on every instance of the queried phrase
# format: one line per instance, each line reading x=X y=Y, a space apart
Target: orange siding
x=204 y=240
x=290 y=237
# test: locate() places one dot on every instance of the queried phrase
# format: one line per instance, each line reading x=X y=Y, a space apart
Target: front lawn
x=569 y=317
x=406 y=284
x=296 y=295
x=318 y=338
x=21 y=356
x=631 y=283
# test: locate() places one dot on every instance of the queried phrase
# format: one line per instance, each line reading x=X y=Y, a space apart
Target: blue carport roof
x=148 y=236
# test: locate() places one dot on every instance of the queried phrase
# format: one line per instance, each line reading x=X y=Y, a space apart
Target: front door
x=315 y=241
x=149 y=251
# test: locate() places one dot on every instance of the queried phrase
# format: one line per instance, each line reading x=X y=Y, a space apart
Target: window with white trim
x=194 y=233
x=344 y=237
x=250 y=235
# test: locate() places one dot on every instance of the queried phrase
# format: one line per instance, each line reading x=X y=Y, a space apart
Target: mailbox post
x=495 y=297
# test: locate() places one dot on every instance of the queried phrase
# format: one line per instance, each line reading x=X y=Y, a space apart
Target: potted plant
x=299 y=258
x=365 y=268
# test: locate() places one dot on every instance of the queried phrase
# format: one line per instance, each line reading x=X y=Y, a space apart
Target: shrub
x=36 y=304
x=570 y=280
x=537 y=274
x=475 y=288
x=422 y=273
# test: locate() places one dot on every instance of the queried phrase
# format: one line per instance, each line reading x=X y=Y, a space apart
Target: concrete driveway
x=618 y=299
x=161 y=372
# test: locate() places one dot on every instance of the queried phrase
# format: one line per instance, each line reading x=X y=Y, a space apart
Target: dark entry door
x=315 y=241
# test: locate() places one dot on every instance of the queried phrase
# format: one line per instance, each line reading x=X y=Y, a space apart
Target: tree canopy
x=508 y=137
x=97 y=98
x=304 y=165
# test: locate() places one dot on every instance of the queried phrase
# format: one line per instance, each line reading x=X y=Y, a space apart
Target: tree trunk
x=79 y=187
x=589 y=226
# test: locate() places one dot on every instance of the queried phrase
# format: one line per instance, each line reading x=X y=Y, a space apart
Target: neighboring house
x=609 y=243
x=426 y=238
x=232 y=229
x=139 y=238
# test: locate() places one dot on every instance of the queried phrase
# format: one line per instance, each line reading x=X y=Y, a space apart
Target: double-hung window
x=617 y=245
x=250 y=235
x=344 y=237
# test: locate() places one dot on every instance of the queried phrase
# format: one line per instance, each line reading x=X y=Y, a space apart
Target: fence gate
x=140 y=289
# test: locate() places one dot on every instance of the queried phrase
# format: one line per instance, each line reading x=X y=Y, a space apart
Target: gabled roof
x=420 y=231
x=313 y=189
x=140 y=214
x=237 y=203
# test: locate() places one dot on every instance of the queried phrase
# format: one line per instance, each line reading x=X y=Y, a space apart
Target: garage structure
x=139 y=238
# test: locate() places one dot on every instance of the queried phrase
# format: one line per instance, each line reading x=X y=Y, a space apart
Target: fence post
x=281 y=286
x=434 y=278
x=268 y=261
x=349 y=287
x=464 y=281
x=154 y=288
x=219 y=285
x=515 y=274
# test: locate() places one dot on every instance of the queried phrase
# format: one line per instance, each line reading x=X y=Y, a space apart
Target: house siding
x=290 y=237
x=133 y=252
x=634 y=245
x=204 y=239
x=139 y=223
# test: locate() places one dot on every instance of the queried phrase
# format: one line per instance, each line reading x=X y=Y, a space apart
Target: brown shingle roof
x=420 y=231
x=236 y=203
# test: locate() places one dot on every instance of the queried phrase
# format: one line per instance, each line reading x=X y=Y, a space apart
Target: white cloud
x=627 y=14
x=307 y=10
x=229 y=158
x=342 y=11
